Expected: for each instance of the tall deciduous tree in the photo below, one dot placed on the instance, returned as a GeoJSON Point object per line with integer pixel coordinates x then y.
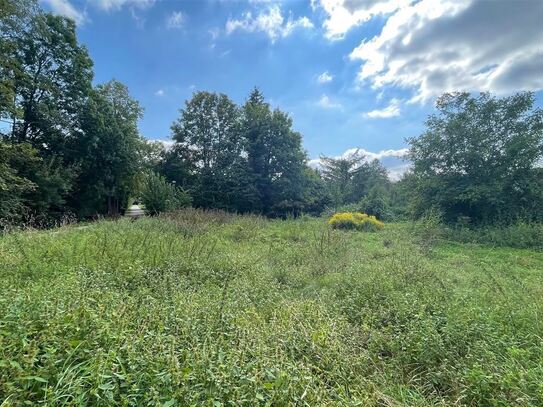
{"type": "Point", "coordinates": [275, 156]}
{"type": "Point", "coordinates": [16, 20]}
{"type": "Point", "coordinates": [208, 136]}
{"type": "Point", "coordinates": [477, 158]}
{"type": "Point", "coordinates": [53, 85]}
{"type": "Point", "coordinates": [108, 151]}
{"type": "Point", "coordinates": [46, 77]}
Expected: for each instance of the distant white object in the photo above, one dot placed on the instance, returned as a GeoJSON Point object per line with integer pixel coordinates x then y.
{"type": "Point", "coordinates": [134, 212]}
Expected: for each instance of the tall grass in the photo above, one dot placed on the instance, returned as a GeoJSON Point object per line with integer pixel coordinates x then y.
{"type": "Point", "coordinates": [207, 308]}
{"type": "Point", "coordinates": [519, 235]}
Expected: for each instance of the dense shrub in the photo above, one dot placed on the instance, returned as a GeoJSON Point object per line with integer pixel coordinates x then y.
{"type": "Point", "coordinates": [519, 235]}
{"type": "Point", "coordinates": [160, 196]}
{"type": "Point", "coordinates": [355, 221]}
{"type": "Point", "coordinates": [376, 203]}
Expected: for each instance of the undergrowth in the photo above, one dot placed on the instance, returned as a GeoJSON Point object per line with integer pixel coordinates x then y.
{"type": "Point", "coordinates": [207, 308]}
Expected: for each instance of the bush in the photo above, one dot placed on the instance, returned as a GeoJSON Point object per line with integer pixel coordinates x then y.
{"type": "Point", "coordinates": [428, 230]}
{"type": "Point", "coordinates": [160, 196]}
{"type": "Point", "coordinates": [355, 221]}
{"type": "Point", "coordinates": [376, 203]}
{"type": "Point", "coordinates": [520, 235]}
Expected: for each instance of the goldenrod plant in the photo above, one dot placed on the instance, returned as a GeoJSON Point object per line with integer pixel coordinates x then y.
{"type": "Point", "coordinates": [355, 221]}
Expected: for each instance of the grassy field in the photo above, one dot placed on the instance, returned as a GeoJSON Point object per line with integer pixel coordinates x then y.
{"type": "Point", "coordinates": [211, 309]}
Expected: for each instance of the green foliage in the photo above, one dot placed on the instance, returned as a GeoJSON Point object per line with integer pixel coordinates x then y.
{"type": "Point", "coordinates": [338, 173]}
{"type": "Point", "coordinates": [13, 185]}
{"type": "Point", "coordinates": [109, 152]}
{"type": "Point", "coordinates": [521, 235]}
{"type": "Point", "coordinates": [32, 189]}
{"type": "Point", "coordinates": [355, 221]}
{"type": "Point", "coordinates": [89, 154]}
{"type": "Point", "coordinates": [51, 84]}
{"type": "Point", "coordinates": [370, 176]}
{"type": "Point", "coordinates": [377, 203]}
{"type": "Point", "coordinates": [244, 159]}
{"type": "Point", "coordinates": [159, 195]}
{"type": "Point", "coordinates": [16, 18]}
{"type": "Point", "coordinates": [275, 158]}
{"type": "Point", "coordinates": [477, 159]}
{"type": "Point", "coordinates": [428, 230]}
{"type": "Point", "coordinates": [208, 139]}
{"type": "Point", "coordinates": [209, 308]}
{"type": "Point", "coordinates": [354, 183]}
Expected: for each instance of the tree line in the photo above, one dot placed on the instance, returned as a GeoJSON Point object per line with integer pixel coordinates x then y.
{"type": "Point", "coordinates": [69, 148]}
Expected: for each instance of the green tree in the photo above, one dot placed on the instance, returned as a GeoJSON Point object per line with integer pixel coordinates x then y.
{"type": "Point", "coordinates": [368, 176]}
{"type": "Point", "coordinates": [209, 145]}
{"type": "Point", "coordinates": [108, 151]}
{"type": "Point", "coordinates": [275, 157]}
{"type": "Point", "coordinates": [316, 196]}
{"type": "Point", "coordinates": [13, 185]}
{"type": "Point", "coordinates": [32, 189]}
{"type": "Point", "coordinates": [377, 203]}
{"type": "Point", "coordinates": [54, 85]}
{"type": "Point", "coordinates": [339, 173]}
{"type": "Point", "coordinates": [401, 197]}
{"type": "Point", "coordinates": [46, 77]}
{"type": "Point", "coordinates": [159, 195]}
{"type": "Point", "coordinates": [477, 158]}
{"type": "Point", "coordinates": [176, 165]}
{"type": "Point", "coordinates": [16, 17]}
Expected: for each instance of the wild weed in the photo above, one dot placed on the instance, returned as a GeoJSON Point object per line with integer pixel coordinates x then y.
{"type": "Point", "coordinates": [198, 308]}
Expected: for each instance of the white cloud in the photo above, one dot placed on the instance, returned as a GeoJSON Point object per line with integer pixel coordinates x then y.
{"type": "Point", "coordinates": [214, 33]}
{"type": "Point", "coordinates": [160, 92]}
{"type": "Point", "coordinates": [118, 4]}
{"type": "Point", "coordinates": [342, 15]}
{"type": "Point", "coordinates": [271, 22]}
{"type": "Point", "coordinates": [392, 160]}
{"type": "Point", "coordinates": [324, 77]}
{"type": "Point", "coordinates": [326, 103]}
{"type": "Point", "coordinates": [437, 46]}
{"type": "Point", "coordinates": [175, 20]}
{"type": "Point", "coordinates": [392, 110]}
{"type": "Point", "coordinates": [138, 19]}
{"type": "Point", "coordinates": [66, 9]}
{"type": "Point", "coordinates": [370, 156]}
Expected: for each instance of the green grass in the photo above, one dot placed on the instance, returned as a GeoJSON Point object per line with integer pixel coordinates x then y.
{"type": "Point", "coordinates": [212, 309]}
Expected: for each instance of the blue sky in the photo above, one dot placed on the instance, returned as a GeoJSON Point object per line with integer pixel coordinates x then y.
{"type": "Point", "coordinates": [352, 73]}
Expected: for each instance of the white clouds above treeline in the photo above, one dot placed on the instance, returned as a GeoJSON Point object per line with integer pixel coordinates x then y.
{"type": "Point", "coordinates": [326, 103]}
{"type": "Point", "coordinates": [422, 49]}
{"type": "Point", "coordinates": [65, 8]}
{"type": "Point", "coordinates": [342, 15]}
{"type": "Point", "coordinates": [270, 21]}
{"type": "Point", "coordinates": [392, 110]}
{"type": "Point", "coordinates": [426, 47]}
{"type": "Point", "coordinates": [437, 46]}
{"type": "Point", "coordinates": [175, 20]}
{"type": "Point", "coordinates": [325, 77]}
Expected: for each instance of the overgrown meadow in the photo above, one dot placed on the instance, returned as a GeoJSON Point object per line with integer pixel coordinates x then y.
{"type": "Point", "coordinates": [205, 308]}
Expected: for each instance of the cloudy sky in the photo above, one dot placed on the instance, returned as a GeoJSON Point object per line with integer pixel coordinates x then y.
{"type": "Point", "coordinates": [352, 73]}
